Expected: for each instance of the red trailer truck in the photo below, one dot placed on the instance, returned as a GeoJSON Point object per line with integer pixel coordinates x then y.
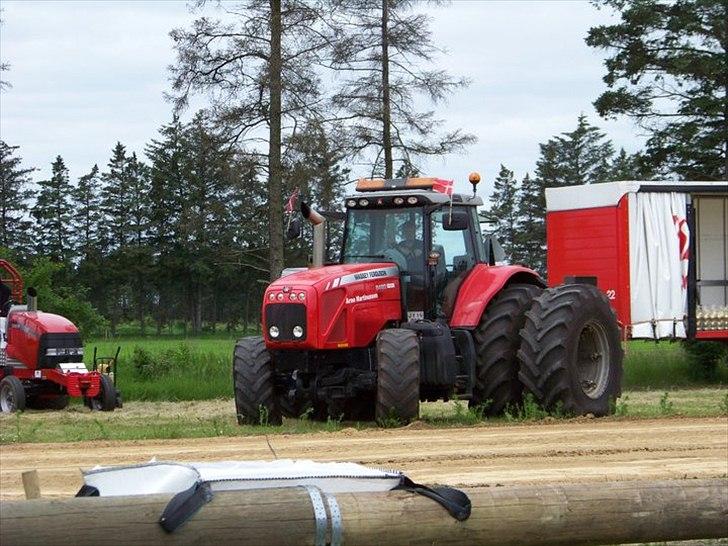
{"type": "Point", "coordinates": [658, 250]}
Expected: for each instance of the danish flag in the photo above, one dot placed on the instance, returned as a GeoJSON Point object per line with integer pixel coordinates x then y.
{"type": "Point", "coordinates": [291, 203]}
{"type": "Point", "coordinates": [443, 186]}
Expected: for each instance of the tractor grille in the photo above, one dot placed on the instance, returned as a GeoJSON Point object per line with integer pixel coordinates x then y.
{"type": "Point", "coordinates": [58, 341]}
{"type": "Point", "coordinates": [285, 316]}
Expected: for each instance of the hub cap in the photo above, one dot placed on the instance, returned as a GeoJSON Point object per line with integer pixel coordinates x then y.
{"type": "Point", "coordinates": [592, 360]}
{"type": "Point", "coordinates": [7, 399]}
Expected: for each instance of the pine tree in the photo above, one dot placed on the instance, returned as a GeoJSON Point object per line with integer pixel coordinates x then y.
{"type": "Point", "coordinates": [503, 212]}
{"type": "Point", "coordinates": [116, 199]}
{"type": "Point", "coordinates": [383, 45]}
{"type": "Point", "coordinates": [583, 156]}
{"type": "Point", "coordinates": [14, 198]}
{"type": "Point", "coordinates": [667, 69]}
{"type": "Point", "coordinates": [530, 236]}
{"type": "Point", "coordinates": [259, 72]}
{"type": "Point", "coordinates": [52, 213]}
{"type": "Point", "coordinates": [87, 217]}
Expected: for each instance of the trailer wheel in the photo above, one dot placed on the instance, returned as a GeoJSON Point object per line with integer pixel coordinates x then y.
{"type": "Point", "coordinates": [12, 394]}
{"type": "Point", "coordinates": [106, 400]}
{"type": "Point", "coordinates": [398, 375]}
{"type": "Point", "coordinates": [571, 354]}
{"type": "Point", "coordinates": [255, 399]}
{"type": "Point", "coordinates": [497, 339]}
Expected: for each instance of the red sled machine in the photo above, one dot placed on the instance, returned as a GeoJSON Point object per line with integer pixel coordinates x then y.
{"type": "Point", "coordinates": [41, 356]}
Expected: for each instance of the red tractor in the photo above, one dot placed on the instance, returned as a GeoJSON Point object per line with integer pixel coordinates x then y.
{"type": "Point", "coordinates": [41, 356]}
{"type": "Point", "coordinates": [417, 309]}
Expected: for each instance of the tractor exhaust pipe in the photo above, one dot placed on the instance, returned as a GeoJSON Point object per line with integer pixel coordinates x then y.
{"type": "Point", "coordinates": [319, 233]}
{"type": "Point", "coordinates": [32, 299]}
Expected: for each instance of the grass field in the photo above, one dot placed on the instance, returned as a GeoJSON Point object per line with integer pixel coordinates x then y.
{"type": "Point", "coordinates": [182, 388]}
{"type": "Point", "coordinates": [174, 369]}
{"type": "Point", "coordinates": [209, 418]}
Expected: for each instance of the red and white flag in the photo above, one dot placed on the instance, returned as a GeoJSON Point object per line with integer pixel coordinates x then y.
{"type": "Point", "coordinates": [291, 203]}
{"type": "Point", "coordinates": [443, 186]}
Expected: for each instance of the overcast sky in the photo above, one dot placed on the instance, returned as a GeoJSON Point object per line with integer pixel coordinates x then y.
{"type": "Point", "coordinates": [86, 74]}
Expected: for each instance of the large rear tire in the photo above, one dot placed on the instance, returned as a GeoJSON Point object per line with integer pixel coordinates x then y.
{"type": "Point", "coordinates": [571, 353]}
{"type": "Point", "coordinates": [398, 375]}
{"type": "Point", "coordinates": [497, 340]}
{"type": "Point", "coordinates": [253, 380]}
{"type": "Point", "coordinates": [12, 394]}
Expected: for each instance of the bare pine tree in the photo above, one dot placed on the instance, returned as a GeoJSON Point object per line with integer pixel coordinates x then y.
{"type": "Point", "coordinates": [384, 50]}
{"type": "Point", "coordinates": [257, 69]}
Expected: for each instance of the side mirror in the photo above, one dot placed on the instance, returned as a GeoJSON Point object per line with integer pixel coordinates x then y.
{"type": "Point", "coordinates": [494, 252]}
{"type": "Point", "coordinates": [457, 221]}
{"type": "Point", "coordinates": [294, 229]}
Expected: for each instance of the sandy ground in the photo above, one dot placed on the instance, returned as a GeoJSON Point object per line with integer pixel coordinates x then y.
{"type": "Point", "coordinates": [480, 456]}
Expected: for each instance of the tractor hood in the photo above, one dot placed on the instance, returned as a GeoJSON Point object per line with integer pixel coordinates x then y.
{"type": "Point", "coordinates": [330, 273]}
{"type": "Point", "coordinates": [37, 323]}
{"type": "Point", "coordinates": [338, 306]}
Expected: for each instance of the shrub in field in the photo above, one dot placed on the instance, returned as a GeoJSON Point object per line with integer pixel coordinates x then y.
{"type": "Point", "coordinates": [706, 358]}
{"type": "Point", "coordinates": [149, 366]}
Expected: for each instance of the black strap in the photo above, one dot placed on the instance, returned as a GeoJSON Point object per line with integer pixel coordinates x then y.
{"type": "Point", "coordinates": [453, 500]}
{"type": "Point", "coordinates": [184, 505]}
{"type": "Point", "coordinates": [87, 491]}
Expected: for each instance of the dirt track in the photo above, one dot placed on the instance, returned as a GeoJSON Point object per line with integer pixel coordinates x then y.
{"type": "Point", "coordinates": [556, 452]}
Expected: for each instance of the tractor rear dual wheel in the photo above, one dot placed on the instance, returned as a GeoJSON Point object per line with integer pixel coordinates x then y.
{"type": "Point", "coordinates": [571, 353]}
{"type": "Point", "coordinates": [497, 340]}
{"type": "Point", "coordinates": [12, 394]}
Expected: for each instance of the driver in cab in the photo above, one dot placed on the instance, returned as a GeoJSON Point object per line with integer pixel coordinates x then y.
{"type": "Point", "coordinates": [410, 246]}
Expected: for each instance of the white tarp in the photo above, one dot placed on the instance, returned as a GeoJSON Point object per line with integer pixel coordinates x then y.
{"type": "Point", "coordinates": [658, 255]}
{"type": "Point", "coordinates": [163, 477]}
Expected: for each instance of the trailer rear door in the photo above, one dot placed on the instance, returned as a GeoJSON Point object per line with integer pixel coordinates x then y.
{"type": "Point", "coordinates": [711, 237]}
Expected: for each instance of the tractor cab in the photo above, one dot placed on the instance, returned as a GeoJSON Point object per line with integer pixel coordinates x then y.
{"type": "Point", "coordinates": [433, 238]}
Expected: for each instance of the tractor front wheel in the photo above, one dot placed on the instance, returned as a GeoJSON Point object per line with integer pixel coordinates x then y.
{"type": "Point", "coordinates": [571, 353]}
{"type": "Point", "coordinates": [255, 399]}
{"type": "Point", "coordinates": [398, 375]}
{"type": "Point", "coordinates": [12, 394]}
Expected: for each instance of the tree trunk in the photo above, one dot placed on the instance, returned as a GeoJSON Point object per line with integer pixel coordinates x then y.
{"type": "Point", "coordinates": [386, 107]}
{"type": "Point", "coordinates": [275, 201]}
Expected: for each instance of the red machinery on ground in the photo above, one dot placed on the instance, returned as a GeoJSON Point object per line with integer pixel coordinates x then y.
{"type": "Point", "coordinates": [417, 309]}
{"type": "Point", "coordinates": [41, 356]}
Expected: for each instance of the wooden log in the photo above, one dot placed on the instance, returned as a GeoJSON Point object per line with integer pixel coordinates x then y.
{"type": "Point", "coordinates": [31, 484]}
{"type": "Point", "coordinates": [593, 513]}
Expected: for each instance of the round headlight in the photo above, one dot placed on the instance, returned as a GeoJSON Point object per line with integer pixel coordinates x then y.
{"type": "Point", "coordinates": [351, 203]}
{"type": "Point", "coordinates": [412, 200]}
{"type": "Point", "coordinates": [363, 202]}
{"type": "Point", "coordinates": [280, 296]}
{"type": "Point", "coordinates": [273, 331]}
{"type": "Point", "coordinates": [271, 296]}
{"type": "Point", "coordinates": [293, 296]}
{"type": "Point", "coordinates": [398, 201]}
{"type": "Point", "coordinates": [297, 331]}
{"type": "Point", "coordinates": [302, 296]}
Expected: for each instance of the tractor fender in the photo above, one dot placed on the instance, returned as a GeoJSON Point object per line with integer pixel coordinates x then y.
{"type": "Point", "coordinates": [481, 285]}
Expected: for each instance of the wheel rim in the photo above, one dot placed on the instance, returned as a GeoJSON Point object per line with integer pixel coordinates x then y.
{"type": "Point", "coordinates": [7, 399]}
{"type": "Point", "coordinates": [592, 360]}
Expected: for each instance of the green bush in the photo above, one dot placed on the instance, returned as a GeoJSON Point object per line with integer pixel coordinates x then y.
{"type": "Point", "coordinates": [706, 358]}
